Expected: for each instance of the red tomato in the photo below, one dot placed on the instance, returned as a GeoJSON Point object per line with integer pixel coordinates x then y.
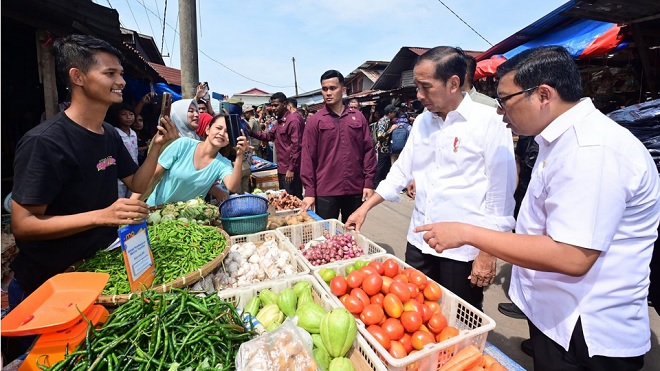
{"type": "Point", "coordinates": [401, 290]}
{"type": "Point", "coordinates": [353, 304]}
{"type": "Point", "coordinates": [414, 290]}
{"type": "Point", "coordinates": [378, 266]}
{"type": "Point", "coordinates": [387, 281]}
{"type": "Point", "coordinates": [380, 336]}
{"type": "Point", "coordinates": [390, 268]}
{"type": "Point", "coordinates": [377, 299]}
{"type": "Point", "coordinates": [432, 291]}
{"type": "Point", "coordinates": [361, 295]}
{"type": "Point", "coordinates": [425, 329]}
{"type": "Point", "coordinates": [372, 284]}
{"type": "Point", "coordinates": [420, 339]}
{"type": "Point", "coordinates": [406, 341]}
{"type": "Point", "coordinates": [418, 278]}
{"type": "Point", "coordinates": [397, 350]}
{"type": "Point", "coordinates": [411, 320]}
{"type": "Point", "coordinates": [393, 328]}
{"type": "Point", "coordinates": [413, 305]}
{"type": "Point", "coordinates": [434, 305]}
{"type": "Point", "coordinates": [338, 285]}
{"type": "Point", "coordinates": [401, 278]}
{"type": "Point", "coordinates": [437, 323]}
{"type": "Point", "coordinates": [367, 270]}
{"type": "Point", "coordinates": [420, 298]}
{"type": "Point", "coordinates": [392, 305]}
{"type": "Point", "coordinates": [343, 298]}
{"type": "Point", "coordinates": [372, 314]}
{"type": "Point", "coordinates": [426, 313]}
{"type": "Point", "coordinates": [447, 333]}
{"type": "Point", "coordinates": [355, 279]}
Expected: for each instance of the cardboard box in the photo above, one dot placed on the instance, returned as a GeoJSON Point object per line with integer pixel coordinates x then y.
{"type": "Point", "coordinates": [265, 180]}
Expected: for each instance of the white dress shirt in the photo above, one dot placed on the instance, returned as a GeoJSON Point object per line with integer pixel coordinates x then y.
{"type": "Point", "coordinates": [594, 185]}
{"type": "Point", "coordinates": [464, 171]}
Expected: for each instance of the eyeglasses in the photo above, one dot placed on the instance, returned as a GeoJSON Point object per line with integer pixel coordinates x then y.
{"type": "Point", "coordinates": [501, 100]}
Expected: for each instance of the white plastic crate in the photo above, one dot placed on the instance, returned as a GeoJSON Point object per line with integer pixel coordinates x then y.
{"type": "Point", "coordinates": [362, 356]}
{"type": "Point", "coordinates": [301, 234]}
{"type": "Point", "coordinates": [299, 267]}
{"type": "Point", "coordinates": [473, 324]}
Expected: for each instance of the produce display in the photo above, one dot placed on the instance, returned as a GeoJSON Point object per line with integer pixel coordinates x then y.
{"type": "Point", "coordinates": [178, 248]}
{"type": "Point", "coordinates": [294, 219]}
{"type": "Point", "coordinates": [332, 332]}
{"type": "Point", "coordinates": [281, 200]}
{"type": "Point", "coordinates": [249, 263]}
{"type": "Point", "coordinates": [329, 249]}
{"type": "Point", "coordinates": [163, 331]}
{"type": "Point", "coordinates": [399, 307]}
{"type": "Point", "coordinates": [195, 210]}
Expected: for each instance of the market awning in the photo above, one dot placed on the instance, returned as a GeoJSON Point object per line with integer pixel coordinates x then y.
{"type": "Point", "coordinates": [583, 39]}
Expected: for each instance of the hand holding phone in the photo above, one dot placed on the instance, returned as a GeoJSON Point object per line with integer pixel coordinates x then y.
{"type": "Point", "coordinates": [166, 105]}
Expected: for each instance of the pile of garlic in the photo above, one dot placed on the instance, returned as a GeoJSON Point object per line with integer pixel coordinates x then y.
{"type": "Point", "coordinates": [248, 263]}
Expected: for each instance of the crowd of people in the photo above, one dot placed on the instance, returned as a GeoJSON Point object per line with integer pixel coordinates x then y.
{"type": "Point", "coordinates": [585, 211]}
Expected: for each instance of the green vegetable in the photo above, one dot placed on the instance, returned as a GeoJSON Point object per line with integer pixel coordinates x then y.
{"type": "Point", "coordinates": [338, 331]}
{"type": "Point", "coordinates": [267, 296]}
{"type": "Point", "coordinates": [340, 364]}
{"type": "Point", "coordinates": [273, 326]}
{"type": "Point", "coordinates": [322, 358]}
{"type": "Point", "coordinates": [327, 274]}
{"type": "Point", "coordinates": [253, 306]}
{"type": "Point", "coordinates": [301, 286]}
{"type": "Point", "coordinates": [318, 342]}
{"type": "Point", "coordinates": [286, 300]}
{"type": "Point", "coordinates": [360, 263]}
{"type": "Point", "coordinates": [305, 297]}
{"type": "Point", "coordinates": [310, 316]}
{"type": "Point", "coordinates": [195, 210]}
{"type": "Point", "coordinates": [270, 313]}
{"type": "Point", "coordinates": [349, 269]}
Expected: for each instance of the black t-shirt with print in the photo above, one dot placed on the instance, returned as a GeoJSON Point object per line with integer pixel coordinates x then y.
{"type": "Point", "coordinates": [72, 170]}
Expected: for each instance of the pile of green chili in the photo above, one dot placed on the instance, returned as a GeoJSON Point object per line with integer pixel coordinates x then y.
{"type": "Point", "coordinates": [153, 331]}
{"type": "Point", "coordinates": [179, 248]}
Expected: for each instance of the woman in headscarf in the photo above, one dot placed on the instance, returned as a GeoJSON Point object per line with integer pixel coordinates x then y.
{"type": "Point", "coordinates": [185, 115]}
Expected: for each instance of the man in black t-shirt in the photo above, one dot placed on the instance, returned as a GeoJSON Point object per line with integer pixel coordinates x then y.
{"type": "Point", "coordinates": [64, 199]}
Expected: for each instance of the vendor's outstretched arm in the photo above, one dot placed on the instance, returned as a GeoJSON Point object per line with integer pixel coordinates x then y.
{"type": "Point", "coordinates": [29, 222]}
{"type": "Point", "coordinates": [547, 255]}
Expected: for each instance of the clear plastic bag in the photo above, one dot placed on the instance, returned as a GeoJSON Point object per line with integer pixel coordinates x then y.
{"type": "Point", "coordinates": [288, 347]}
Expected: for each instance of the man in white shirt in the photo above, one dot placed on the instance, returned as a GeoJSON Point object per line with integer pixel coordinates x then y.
{"type": "Point", "coordinates": [460, 154]}
{"type": "Point", "coordinates": [586, 227]}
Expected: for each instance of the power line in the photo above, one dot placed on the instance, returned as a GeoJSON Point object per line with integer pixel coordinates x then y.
{"type": "Point", "coordinates": [134, 19]}
{"type": "Point", "coordinates": [461, 19]}
{"type": "Point", "coordinates": [162, 39]}
{"type": "Point", "coordinates": [148, 18]}
{"type": "Point", "coordinates": [241, 75]}
{"type": "Point", "coordinates": [175, 35]}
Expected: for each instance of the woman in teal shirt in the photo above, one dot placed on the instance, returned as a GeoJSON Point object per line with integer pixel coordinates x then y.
{"type": "Point", "coordinates": [190, 168]}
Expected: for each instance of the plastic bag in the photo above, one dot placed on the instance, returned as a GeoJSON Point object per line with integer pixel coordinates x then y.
{"type": "Point", "coordinates": [289, 347]}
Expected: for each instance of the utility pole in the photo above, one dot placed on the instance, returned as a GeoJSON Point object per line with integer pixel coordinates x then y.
{"type": "Point", "coordinates": [188, 45]}
{"type": "Point", "coordinates": [295, 80]}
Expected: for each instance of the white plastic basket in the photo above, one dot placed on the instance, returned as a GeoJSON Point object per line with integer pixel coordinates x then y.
{"type": "Point", "coordinates": [362, 356]}
{"type": "Point", "coordinates": [299, 267]}
{"type": "Point", "coordinates": [473, 324]}
{"type": "Point", "coordinates": [301, 234]}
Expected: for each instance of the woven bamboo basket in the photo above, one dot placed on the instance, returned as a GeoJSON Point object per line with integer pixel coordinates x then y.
{"type": "Point", "coordinates": [183, 281]}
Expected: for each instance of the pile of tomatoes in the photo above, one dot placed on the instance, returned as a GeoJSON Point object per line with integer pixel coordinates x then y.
{"type": "Point", "coordinates": [399, 306]}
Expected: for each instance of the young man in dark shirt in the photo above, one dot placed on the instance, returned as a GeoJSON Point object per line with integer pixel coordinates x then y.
{"type": "Point", "coordinates": [64, 199]}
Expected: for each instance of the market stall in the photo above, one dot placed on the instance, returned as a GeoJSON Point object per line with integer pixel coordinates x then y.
{"type": "Point", "coordinates": [270, 299]}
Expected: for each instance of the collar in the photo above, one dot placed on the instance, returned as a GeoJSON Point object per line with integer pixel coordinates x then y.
{"type": "Point", "coordinates": [330, 112]}
{"type": "Point", "coordinates": [463, 109]}
{"type": "Point", "coordinates": [566, 120]}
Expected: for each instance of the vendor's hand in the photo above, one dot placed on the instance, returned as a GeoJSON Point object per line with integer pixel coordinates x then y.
{"type": "Point", "coordinates": [442, 236]}
{"type": "Point", "coordinates": [124, 211]}
{"type": "Point", "coordinates": [307, 203]}
{"type": "Point", "coordinates": [289, 176]}
{"type": "Point", "coordinates": [411, 191]}
{"type": "Point", "coordinates": [167, 132]}
{"type": "Point", "coordinates": [366, 193]}
{"type": "Point", "coordinates": [242, 145]}
{"type": "Point", "coordinates": [356, 219]}
{"type": "Point", "coordinates": [483, 270]}
{"type": "Point", "coordinates": [149, 97]}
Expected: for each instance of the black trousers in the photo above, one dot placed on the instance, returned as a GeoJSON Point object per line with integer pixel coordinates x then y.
{"type": "Point", "coordinates": [383, 168]}
{"type": "Point", "coordinates": [293, 188]}
{"type": "Point", "coordinates": [329, 207]}
{"type": "Point", "coordinates": [549, 355]}
{"type": "Point", "coordinates": [451, 274]}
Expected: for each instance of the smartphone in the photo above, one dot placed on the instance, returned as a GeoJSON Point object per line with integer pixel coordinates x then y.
{"type": "Point", "coordinates": [234, 129]}
{"type": "Point", "coordinates": [166, 105]}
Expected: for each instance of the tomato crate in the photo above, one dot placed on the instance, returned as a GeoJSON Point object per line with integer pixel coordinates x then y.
{"type": "Point", "coordinates": [473, 325]}
{"type": "Point", "coordinates": [362, 355]}
{"type": "Point", "coordinates": [302, 234]}
{"type": "Point", "coordinates": [297, 265]}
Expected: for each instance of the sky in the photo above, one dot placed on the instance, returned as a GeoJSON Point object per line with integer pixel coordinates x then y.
{"type": "Point", "coordinates": [249, 44]}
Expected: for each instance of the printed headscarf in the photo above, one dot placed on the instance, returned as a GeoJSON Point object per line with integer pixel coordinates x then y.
{"type": "Point", "coordinates": [179, 115]}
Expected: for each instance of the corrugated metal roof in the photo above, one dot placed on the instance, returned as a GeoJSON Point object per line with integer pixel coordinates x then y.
{"type": "Point", "coordinates": [254, 91]}
{"type": "Point", "coordinates": [615, 11]}
{"type": "Point", "coordinates": [169, 74]}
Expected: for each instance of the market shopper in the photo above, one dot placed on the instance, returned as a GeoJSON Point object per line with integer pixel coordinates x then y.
{"type": "Point", "coordinates": [190, 168]}
{"type": "Point", "coordinates": [126, 119]}
{"type": "Point", "coordinates": [460, 155]}
{"type": "Point", "coordinates": [338, 157]}
{"type": "Point", "coordinates": [64, 199]}
{"type": "Point", "coordinates": [185, 115]}
{"type": "Point", "coordinates": [383, 131]}
{"type": "Point", "coordinates": [286, 133]}
{"type": "Point", "coordinates": [586, 228]}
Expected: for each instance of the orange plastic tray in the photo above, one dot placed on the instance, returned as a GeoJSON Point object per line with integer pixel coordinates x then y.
{"type": "Point", "coordinates": [55, 305]}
